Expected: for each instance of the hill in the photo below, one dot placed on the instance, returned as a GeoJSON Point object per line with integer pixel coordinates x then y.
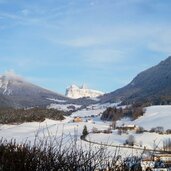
{"type": "Point", "coordinates": [15, 92]}
{"type": "Point", "coordinates": [150, 86]}
{"type": "Point", "coordinates": [154, 116]}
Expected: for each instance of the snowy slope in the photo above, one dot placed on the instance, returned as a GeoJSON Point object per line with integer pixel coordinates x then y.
{"type": "Point", "coordinates": [95, 110]}
{"type": "Point", "coordinates": [156, 116]}
{"type": "Point", "coordinates": [153, 117]}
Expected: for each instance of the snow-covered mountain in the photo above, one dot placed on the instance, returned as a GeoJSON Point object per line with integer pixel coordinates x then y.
{"type": "Point", "coordinates": [7, 80]}
{"type": "Point", "coordinates": [16, 92]}
{"type": "Point", "coordinates": [76, 92]}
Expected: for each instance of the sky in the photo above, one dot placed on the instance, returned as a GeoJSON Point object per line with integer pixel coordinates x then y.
{"type": "Point", "coordinates": [101, 43]}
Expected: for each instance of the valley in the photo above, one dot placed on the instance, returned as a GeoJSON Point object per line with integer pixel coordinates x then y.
{"type": "Point", "coordinates": [131, 121]}
{"type": "Point", "coordinates": [91, 118]}
{"type": "Point", "coordinates": [85, 85]}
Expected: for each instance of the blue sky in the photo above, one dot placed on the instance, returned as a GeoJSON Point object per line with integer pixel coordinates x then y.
{"type": "Point", "coordinates": [102, 43]}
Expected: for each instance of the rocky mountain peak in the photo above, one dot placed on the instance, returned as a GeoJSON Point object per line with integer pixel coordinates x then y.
{"type": "Point", "coordinates": [76, 92]}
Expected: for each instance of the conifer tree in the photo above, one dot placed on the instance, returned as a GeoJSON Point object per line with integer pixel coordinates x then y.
{"type": "Point", "coordinates": [85, 131]}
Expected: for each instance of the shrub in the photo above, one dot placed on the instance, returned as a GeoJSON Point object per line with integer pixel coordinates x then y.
{"type": "Point", "coordinates": [152, 130]}
{"type": "Point", "coordinates": [108, 131]}
{"type": "Point", "coordinates": [48, 156]}
{"type": "Point", "coordinates": [130, 141]}
{"type": "Point", "coordinates": [119, 132]}
{"type": "Point", "coordinates": [168, 131]}
{"type": "Point", "coordinates": [159, 130]}
{"type": "Point", "coordinates": [140, 130]}
{"type": "Point", "coordinates": [95, 130]}
{"type": "Point", "coordinates": [167, 145]}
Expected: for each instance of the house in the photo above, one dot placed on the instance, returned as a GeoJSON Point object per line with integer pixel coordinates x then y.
{"type": "Point", "coordinates": [127, 127]}
{"type": "Point", "coordinates": [158, 162]}
{"type": "Point", "coordinates": [77, 119]}
{"type": "Point", "coordinates": [164, 157]}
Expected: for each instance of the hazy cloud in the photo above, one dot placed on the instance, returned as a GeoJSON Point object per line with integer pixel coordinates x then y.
{"type": "Point", "coordinates": [104, 56]}
{"type": "Point", "coordinates": [82, 42]}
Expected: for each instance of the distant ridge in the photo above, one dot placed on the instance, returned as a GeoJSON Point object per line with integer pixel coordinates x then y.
{"type": "Point", "coordinates": [152, 85]}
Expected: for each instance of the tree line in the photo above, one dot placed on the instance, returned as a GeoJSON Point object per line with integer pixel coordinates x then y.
{"type": "Point", "coordinates": [114, 113]}
{"type": "Point", "coordinates": [11, 116]}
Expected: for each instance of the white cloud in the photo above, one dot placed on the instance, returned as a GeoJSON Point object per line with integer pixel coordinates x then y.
{"type": "Point", "coordinates": [120, 35]}
{"type": "Point", "coordinates": [10, 74]}
{"type": "Point", "coordinates": [25, 12]}
{"type": "Point", "coordinates": [103, 57]}
{"type": "Point", "coordinates": [82, 42]}
{"type": "Point", "coordinates": [9, 16]}
{"type": "Point", "coordinates": [161, 41]}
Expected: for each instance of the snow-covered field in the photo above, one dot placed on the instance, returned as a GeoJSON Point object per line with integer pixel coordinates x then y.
{"type": "Point", "coordinates": [93, 110]}
{"type": "Point", "coordinates": [154, 116]}
{"type": "Point", "coordinates": [145, 140]}
{"type": "Point", "coordinates": [63, 107]}
{"type": "Point", "coordinates": [54, 128]}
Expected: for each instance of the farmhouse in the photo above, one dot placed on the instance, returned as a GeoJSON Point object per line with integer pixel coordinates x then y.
{"type": "Point", "coordinates": [77, 119]}
{"type": "Point", "coordinates": [127, 127]}
{"type": "Point", "coordinates": [157, 162]}
{"type": "Point", "coordinates": [164, 157]}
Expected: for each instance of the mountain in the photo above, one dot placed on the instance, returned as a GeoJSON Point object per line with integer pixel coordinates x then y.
{"type": "Point", "coordinates": [16, 92]}
{"type": "Point", "coordinates": [76, 92]}
{"type": "Point", "coordinates": [152, 85]}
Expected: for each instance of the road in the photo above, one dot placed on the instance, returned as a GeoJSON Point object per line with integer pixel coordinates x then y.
{"type": "Point", "coordinates": [126, 147]}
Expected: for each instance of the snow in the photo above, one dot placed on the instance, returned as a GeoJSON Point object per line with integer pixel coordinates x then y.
{"type": "Point", "coordinates": [4, 84]}
{"type": "Point", "coordinates": [154, 116]}
{"type": "Point", "coordinates": [94, 98]}
{"type": "Point", "coordinates": [95, 109]}
{"type": "Point", "coordinates": [146, 139]}
{"type": "Point", "coordinates": [87, 113]}
{"type": "Point", "coordinates": [54, 128]}
{"type": "Point", "coordinates": [5, 80]}
{"type": "Point", "coordinates": [63, 107]}
{"type": "Point", "coordinates": [66, 128]}
{"type": "Point", "coordinates": [56, 100]}
{"type": "Point", "coordinates": [76, 92]}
